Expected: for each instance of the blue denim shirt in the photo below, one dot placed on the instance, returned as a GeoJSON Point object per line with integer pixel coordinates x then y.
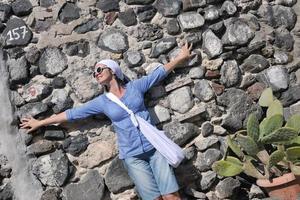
{"type": "Point", "coordinates": [131, 141]}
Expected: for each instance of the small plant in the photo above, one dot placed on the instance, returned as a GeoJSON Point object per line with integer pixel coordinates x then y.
{"type": "Point", "coordinates": [267, 149]}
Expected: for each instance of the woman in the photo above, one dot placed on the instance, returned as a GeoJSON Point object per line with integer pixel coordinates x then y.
{"type": "Point", "coordinates": [149, 170]}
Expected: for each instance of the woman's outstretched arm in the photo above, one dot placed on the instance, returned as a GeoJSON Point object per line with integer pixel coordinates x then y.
{"type": "Point", "coordinates": [32, 124]}
{"type": "Point", "coordinates": [184, 55]}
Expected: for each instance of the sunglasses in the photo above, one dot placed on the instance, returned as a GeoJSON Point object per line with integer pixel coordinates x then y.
{"type": "Point", "coordinates": [98, 70]}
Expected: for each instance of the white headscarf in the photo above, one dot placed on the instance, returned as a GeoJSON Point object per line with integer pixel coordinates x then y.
{"type": "Point", "coordinates": [114, 66]}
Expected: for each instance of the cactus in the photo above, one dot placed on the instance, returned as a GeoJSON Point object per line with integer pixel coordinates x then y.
{"type": "Point", "coordinates": [280, 136]}
{"type": "Point", "coordinates": [247, 144]}
{"type": "Point", "coordinates": [231, 167]}
{"type": "Point", "coordinates": [270, 124]}
{"type": "Point", "coordinates": [275, 157]}
{"type": "Point", "coordinates": [275, 108]}
{"type": "Point", "coordinates": [266, 98]}
{"type": "Point", "coordinates": [253, 127]}
{"type": "Point", "coordinates": [293, 122]}
{"type": "Point", "coordinates": [252, 146]}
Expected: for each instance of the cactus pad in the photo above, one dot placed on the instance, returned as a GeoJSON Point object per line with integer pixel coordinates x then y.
{"type": "Point", "coordinates": [253, 127]}
{"type": "Point", "coordinates": [280, 136]}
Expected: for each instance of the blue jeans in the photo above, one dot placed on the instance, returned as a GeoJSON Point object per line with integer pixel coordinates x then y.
{"type": "Point", "coordinates": [151, 174]}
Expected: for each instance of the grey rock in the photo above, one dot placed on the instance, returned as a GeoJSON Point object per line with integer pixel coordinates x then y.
{"type": "Point", "coordinates": [295, 108]}
{"type": "Point", "coordinates": [286, 2]}
{"type": "Point", "coordinates": [91, 187]}
{"type": "Point", "coordinates": [52, 62]}
{"type": "Point", "coordinates": [145, 13]}
{"type": "Point", "coordinates": [148, 32]}
{"type": "Point", "coordinates": [228, 8]}
{"type": "Point", "coordinates": [205, 160]}
{"type": "Point", "coordinates": [54, 133]}
{"type": "Point", "coordinates": [238, 110]}
{"type": "Point", "coordinates": [217, 27]}
{"type": "Point", "coordinates": [134, 58]}
{"type": "Point", "coordinates": [16, 98]}
{"type": "Point", "coordinates": [190, 20]}
{"type": "Point", "coordinates": [207, 179]}
{"type": "Point", "coordinates": [22, 36]}
{"type": "Point", "coordinates": [168, 7]}
{"type": "Point", "coordinates": [203, 90]}
{"type": "Point", "coordinates": [230, 73]}
{"type": "Point", "coordinates": [116, 178]}
{"type": "Point", "coordinates": [137, 2]}
{"type": "Point", "coordinates": [246, 5]}
{"type": "Point", "coordinates": [21, 7]}
{"type": "Point", "coordinates": [162, 46]}
{"type": "Point", "coordinates": [189, 152]}
{"type": "Point", "coordinates": [254, 63]}
{"type": "Point", "coordinates": [197, 72]}
{"type": "Point", "coordinates": [68, 13]}
{"type": "Point", "coordinates": [194, 193]}
{"type": "Point", "coordinates": [290, 96]}
{"type": "Point", "coordinates": [58, 82]}
{"type": "Point", "coordinates": [79, 48]}
{"type": "Point", "coordinates": [211, 13]}
{"type": "Point", "coordinates": [36, 90]}
{"type": "Point", "coordinates": [157, 92]}
{"type": "Point", "coordinates": [52, 169]}
{"type": "Point", "coordinates": [107, 6]}
{"type": "Point", "coordinates": [280, 57]}
{"type": "Point", "coordinates": [194, 37]}
{"type": "Point", "coordinates": [227, 187]}
{"type": "Point", "coordinates": [203, 143]}
{"type": "Point", "coordinates": [284, 39]}
{"type": "Point", "coordinates": [275, 77]}
{"type": "Point", "coordinates": [173, 27]}
{"type": "Point", "coordinates": [46, 3]}
{"type": "Point", "coordinates": [60, 100]}
{"type": "Point", "coordinates": [181, 99]}
{"type": "Point", "coordinates": [41, 147]}
{"type": "Point", "coordinates": [88, 25]}
{"type": "Point", "coordinates": [2, 26]}
{"type": "Point", "coordinates": [192, 4]}
{"type": "Point", "coordinates": [238, 32]}
{"type": "Point", "coordinates": [76, 145]}
{"type": "Point", "coordinates": [51, 194]}
{"type": "Point", "coordinates": [7, 191]}
{"type": "Point", "coordinates": [128, 17]}
{"type": "Point", "coordinates": [207, 129]}
{"type": "Point", "coordinates": [278, 15]}
{"type": "Point", "coordinates": [212, 45]}
{"type": "Point", "coordinates": [18, 70]}
{"type": "Point", "coordinates": [32, 109]}
{"type": "Point", "coordinates": [5, 12]}
{"type": "Point", "coordinates": [180, 133]}
{"type": "Point", "coordinates": [256, 192]}
{"type": "Point", "coordinates": [32, 55]}
{"type": "Point", "coordinates": [159, 114]}
{"type": "Point", "coordinates": [113, 40]}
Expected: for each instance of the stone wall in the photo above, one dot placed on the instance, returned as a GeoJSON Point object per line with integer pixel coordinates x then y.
{"type": "Point", "coordinates": [50, 47]}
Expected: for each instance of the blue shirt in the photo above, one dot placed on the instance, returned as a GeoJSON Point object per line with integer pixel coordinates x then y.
{"type": "Point", "coordinates": [131, 141]}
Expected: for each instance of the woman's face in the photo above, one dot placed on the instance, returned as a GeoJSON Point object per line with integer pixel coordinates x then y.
{"type": "Point", "coordinates": [102, 74]}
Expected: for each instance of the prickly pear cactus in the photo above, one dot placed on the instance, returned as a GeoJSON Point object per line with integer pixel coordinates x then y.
{"type": "Point", "coordinates": [253, 127]}
{"type": "Point", "coordinates": [294, 122]}
{"type": "Point", "coordinates": [268, 125]}
{"type": "Point", "coordinates": [275, 157]}
{"type": "Point", "coordinates": [280, 136]}
{"type": "Point", "coordinates": [247, 144]}
{"type": "Point", "coordinates": [230, 167]}
{"type": "Point", "coordinates": [275, 108]}
{"type": "Point", "coordinates": [266, 98]}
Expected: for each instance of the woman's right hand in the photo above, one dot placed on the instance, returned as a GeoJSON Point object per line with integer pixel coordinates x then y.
{"type": "Point", "coordinates": [30, 123]}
